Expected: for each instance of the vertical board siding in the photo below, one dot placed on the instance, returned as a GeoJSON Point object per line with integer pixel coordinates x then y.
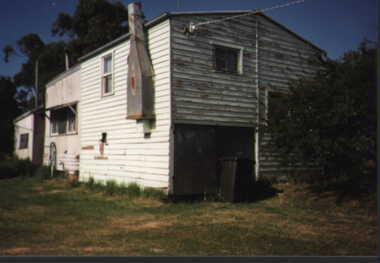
{"type": "Point", "coordinates": [201, 95]}
{"type": "Point", "coordinates": [128, 156]}
{"type": "Point", "coordinates": [282, 58]}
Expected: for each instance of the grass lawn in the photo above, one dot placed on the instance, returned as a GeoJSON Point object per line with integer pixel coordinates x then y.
{"type": "Point", "coordinates": [50, 217]}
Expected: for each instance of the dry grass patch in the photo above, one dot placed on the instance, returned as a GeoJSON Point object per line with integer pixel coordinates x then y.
{"type": "Point", "coordinates": [16, 251]}
{"type": "Point", "coordinates": [79, 221]}
{"type": "Point", "coordinates": [139, 222]}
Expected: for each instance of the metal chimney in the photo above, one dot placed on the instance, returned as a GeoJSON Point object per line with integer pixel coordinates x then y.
{"type": "Point", "coordinates": [140, 90]}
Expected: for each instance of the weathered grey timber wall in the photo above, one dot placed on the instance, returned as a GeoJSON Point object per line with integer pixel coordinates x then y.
{"type": "Point", "coordinates": [282, 57]}
{"type": "Point", "coordinates": [203, 96]}
{"type": "Point", "coordinates": [200, 94]}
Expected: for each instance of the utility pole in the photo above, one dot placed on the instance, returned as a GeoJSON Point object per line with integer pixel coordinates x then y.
{"type": "Point", "coordinates": [36, 84]}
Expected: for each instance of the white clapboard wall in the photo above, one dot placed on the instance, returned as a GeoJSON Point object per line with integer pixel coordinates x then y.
{"type": "Point", "coordinates": [128, 156]}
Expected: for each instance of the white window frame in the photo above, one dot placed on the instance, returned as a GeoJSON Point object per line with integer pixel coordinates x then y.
{"type": "Point", "coordinates": [240, 55]}
{"type": "Point", "coordinates": [75, 119]}
{"type": "Point", "coordinates": [67, 132]}
{"type": "Point", "coordinates": [104, 75]}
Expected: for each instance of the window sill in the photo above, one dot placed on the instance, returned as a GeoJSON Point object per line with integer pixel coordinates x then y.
{"type": "Point", "coordinates": [226, 72]}
{"type": "Point", "coordinates": [64, 134]}
{"type": "Point", "coordinates": [101, 158]}
{"type": "Point", "coordinates": [104, 95]}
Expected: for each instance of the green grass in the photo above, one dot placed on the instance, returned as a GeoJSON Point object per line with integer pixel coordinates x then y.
{"type": "Point", "coordinates": [50, 217]}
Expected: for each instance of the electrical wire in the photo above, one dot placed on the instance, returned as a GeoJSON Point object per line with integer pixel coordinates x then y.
{"type": "Point", "coordinates": [193, 26]}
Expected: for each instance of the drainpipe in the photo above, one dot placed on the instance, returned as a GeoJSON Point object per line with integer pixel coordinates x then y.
{"type": "Point", "coordinates": [36, 84]}
{"type": "Point", "coordinates": [257, 136]}
{"type": "Point", "coordinates": [67, 61]}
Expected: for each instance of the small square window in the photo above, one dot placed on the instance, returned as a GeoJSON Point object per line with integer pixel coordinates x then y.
{"type": "Point", "coordinates": [24, 138]}
{"type": "Point", "coordinates": [107, 77]}
{"type": "Point", "coordinates": [227, 59]}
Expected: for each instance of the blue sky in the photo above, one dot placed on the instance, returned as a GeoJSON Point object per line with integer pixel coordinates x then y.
{"type": "Point", "coordinates": [334, 25]}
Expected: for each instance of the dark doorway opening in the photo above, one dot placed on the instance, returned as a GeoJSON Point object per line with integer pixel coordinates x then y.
{"type": "Point", "coordinates": [198, 151]}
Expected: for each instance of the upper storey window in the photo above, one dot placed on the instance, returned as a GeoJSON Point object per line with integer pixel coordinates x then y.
{"type": "Point", "coordinates": [228, 59]}
{"type": "Point", "coordinates": [107, 68]}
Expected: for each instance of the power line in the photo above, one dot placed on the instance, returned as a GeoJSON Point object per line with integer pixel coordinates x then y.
{"type": "Point", "coordinates": [193, 26]}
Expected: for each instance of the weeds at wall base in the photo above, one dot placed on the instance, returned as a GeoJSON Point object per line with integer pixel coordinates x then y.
{"type": "Point", "coordinates": [130, 190]}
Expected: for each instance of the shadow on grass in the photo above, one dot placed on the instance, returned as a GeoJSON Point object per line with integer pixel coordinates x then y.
{"type": "Point", "coordinates": [353, 188]}
{"type": "Point", "coordinates": [254, 192]}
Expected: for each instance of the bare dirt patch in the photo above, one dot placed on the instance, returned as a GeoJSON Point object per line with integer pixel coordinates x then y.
{"type": "Point", "coordinates": [137, 223]}
{"type": "Point", "coordinates": [55, 191]}
{"type": "Point", "coordinates": [146, 202]}
{"type": "Point", "coordinates": [16, 251]}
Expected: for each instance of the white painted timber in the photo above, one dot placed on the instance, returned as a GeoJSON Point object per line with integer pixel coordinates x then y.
{"type": "Point", "coordinates": [61, 91]}
{"type": "Point", "coordinates": [24, 126]}
{"type": "Point", "coordinates": [128, 155]}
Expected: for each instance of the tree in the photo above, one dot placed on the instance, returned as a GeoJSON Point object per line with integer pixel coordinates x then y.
{"type": "Point", "coordinates": [9, 112]}
{"type": "Point", "coordinates": [50, 58]}
{"type": "Point", "coordinates": [93, 24]}
{"type": "Point", "coordinates": [330, 120]}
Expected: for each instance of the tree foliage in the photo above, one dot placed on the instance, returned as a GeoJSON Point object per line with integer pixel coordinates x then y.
{"type": "Point", "coordinates": [330, 120]}
{"type": "Point", "coordinates": [94, 23]}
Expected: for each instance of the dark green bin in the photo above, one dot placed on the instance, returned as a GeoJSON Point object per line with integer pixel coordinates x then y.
{"type": "Point", "coordinates": [236, 179]}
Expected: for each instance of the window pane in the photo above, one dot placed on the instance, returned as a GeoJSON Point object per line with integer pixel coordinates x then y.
{"type": "Point", "coordinates": [107, 82]}
{"type": "Point", "coordinates": [71, 119]}
{"type": "Point", "coordinates": [107, 64]}
{"type": "Point", "coordinates": [54, 128]}
{"type": "Point", "coordinates": [226, 59]}
{"type": "Point", "coordinates": [24, 141]}
{"type": "Point", "coordinates": [58, 119]}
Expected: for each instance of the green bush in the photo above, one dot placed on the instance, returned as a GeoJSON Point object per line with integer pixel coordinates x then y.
{"type": "Point", "coordinates": [133, 190]}
{"type": "Point", "coordinates": [7, 170]}
{"type": "Point", "coordinates": [17, 167]}
{"type": "Point", "coordinates": [43, 172]}
{"type": "Point", "coordinates": [25, 167]}
{"type": "Point", "coordinates": [154, 193]}
{"type": "Point", "coordinates": [111, 187]}
{"type": "Point", "coordinates": [90, 182]}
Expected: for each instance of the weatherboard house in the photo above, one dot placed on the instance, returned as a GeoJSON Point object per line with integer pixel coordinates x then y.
{"type": "Point", "coordinates": [161, 105]}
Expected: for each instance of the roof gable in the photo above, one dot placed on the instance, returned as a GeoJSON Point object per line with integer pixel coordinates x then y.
{"type": "Point", "coordinates": [165, 16]}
